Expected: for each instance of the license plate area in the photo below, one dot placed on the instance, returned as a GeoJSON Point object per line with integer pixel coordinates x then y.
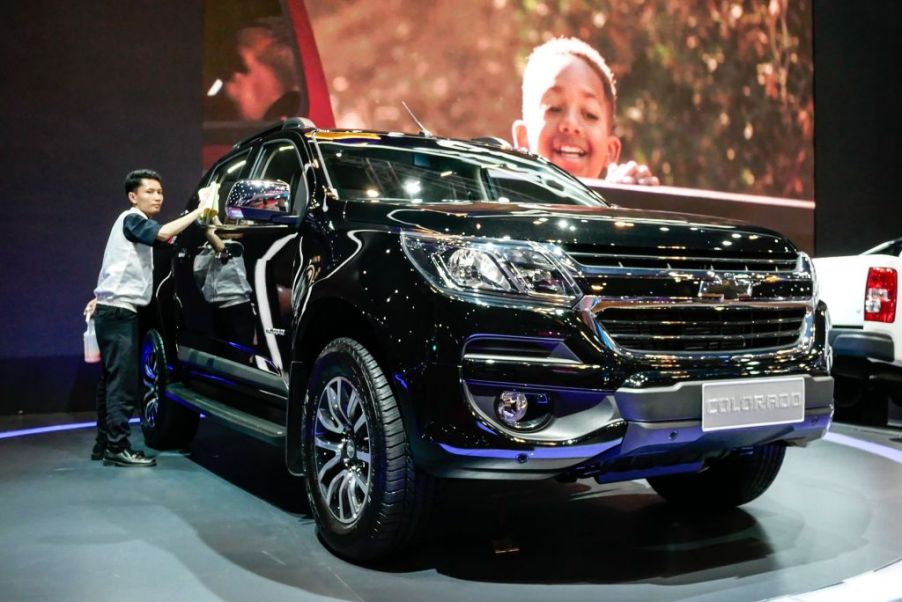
{"type": "Point", "coordinates": [752, 402]}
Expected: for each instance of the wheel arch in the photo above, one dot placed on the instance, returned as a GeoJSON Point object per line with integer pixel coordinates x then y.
{"type": "Point", "coordinates": [327, 319]}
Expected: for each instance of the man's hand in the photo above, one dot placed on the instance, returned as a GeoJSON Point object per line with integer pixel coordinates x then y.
{"type": "Point", "coordinates": [630, 173]}
{"type": "Point", "coordinates": [90, 308]}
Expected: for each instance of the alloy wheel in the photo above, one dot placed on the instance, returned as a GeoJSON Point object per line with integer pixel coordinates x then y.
{"type": "Point", "coordinates": [342, 442]}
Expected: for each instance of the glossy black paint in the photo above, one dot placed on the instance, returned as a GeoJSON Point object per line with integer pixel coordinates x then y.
{"type": "Point", "coordinates": [597, 227]}
{"type": "Point", "coordinates": [343, 272]}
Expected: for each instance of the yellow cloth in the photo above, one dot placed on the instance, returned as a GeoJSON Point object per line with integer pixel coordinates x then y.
{"type": "Point", "coordinates": [209, 202]}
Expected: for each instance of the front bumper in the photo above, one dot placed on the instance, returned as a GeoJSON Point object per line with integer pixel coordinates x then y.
{"type": "Point", "coordinates": [648, 432]}
{"type": "Point", "coordinates": [627, 415]}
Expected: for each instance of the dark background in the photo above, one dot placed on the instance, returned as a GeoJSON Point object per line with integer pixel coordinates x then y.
{"type": "Point", "coordinates": [91, 90]}
{"type": "Point", "coordinates": [858, 122]}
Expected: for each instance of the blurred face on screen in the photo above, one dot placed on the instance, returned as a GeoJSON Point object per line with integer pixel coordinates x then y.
{"type": "Point", "coordinates": [254, 90]}
{"type": "Point", "coordinates": [566, 118]}
{"type": "Point", "coordinates": [267, 77]}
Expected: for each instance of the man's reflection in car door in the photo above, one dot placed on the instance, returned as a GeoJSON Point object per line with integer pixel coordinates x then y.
{"type": "Point", "coordinates": [196, 275]}
{"type": "Point", "coordinates": [221, 276]}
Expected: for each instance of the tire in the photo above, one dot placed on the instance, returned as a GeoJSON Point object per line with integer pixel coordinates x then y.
{"type": "Point", "coordinates": [365, 494]}
{"type": "Point", "coordinates": [728, 482]}
{"type": "Point", "coordinates": [165, 423]}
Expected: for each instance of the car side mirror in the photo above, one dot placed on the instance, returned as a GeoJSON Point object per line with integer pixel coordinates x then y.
{"type": "Point", "coordinates": [259, 200]}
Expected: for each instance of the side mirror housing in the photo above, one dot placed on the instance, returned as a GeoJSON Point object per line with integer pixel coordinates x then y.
{"type": "Point", "coordinates": [259, 200]}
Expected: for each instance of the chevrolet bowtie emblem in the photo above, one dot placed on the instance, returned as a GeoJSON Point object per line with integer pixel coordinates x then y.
{"type": "Point", "coordinates": [725, 288]}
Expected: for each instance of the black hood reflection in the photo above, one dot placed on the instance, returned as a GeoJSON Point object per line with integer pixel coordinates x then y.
{"type": "Point", "coordinates": [577, 226]}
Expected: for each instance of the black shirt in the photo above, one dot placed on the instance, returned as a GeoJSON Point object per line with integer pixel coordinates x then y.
{"type": "Point", "coordinates": [140, 229]}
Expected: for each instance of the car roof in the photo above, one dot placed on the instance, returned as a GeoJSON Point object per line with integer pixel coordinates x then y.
{"type": "Point", "coordinates": [403, 138]}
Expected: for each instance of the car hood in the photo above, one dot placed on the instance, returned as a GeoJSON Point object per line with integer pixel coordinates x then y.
{"type": "Point", "coordinates": [577, 225]}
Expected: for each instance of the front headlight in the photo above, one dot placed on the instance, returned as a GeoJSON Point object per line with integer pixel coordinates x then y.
{"type": "Point", "coordinates": [482, 267]}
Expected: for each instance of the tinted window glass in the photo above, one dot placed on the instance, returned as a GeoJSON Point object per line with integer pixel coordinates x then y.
{"type": "Point", "coordinates": [279, 161]}
{"type": "Point", "coordinates": [226, 175]}
{"type": "Point", "coordinates": [444, 171]}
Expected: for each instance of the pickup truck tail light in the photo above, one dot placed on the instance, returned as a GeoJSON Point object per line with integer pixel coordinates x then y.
{"type": "Point", "coordinates": [880, 295]}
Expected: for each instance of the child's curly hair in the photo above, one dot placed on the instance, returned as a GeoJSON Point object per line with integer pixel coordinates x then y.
{"type": "Point", "coordinates": [578, 48]}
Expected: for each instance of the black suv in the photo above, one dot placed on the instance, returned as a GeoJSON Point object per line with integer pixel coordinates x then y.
{"type": "Point", "coordinates": [396, 308]}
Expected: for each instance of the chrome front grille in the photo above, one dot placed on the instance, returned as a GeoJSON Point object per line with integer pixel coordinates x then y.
{"type": "Point", "coordinates": [702, 328]}
{"type": "Point", "coordinates": [589, 255]}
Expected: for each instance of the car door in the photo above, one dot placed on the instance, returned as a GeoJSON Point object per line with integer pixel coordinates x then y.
{"type": "Point", "coordinates": [269, 250]}
{"type": "Point", "coordinates": [196, 266]}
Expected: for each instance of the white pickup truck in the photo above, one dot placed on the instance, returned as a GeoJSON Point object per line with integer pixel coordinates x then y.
{"type": "Point", "coordinates": [861, 292]}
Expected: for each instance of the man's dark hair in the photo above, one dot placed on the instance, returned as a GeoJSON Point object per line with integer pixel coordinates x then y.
{"type": "Point", "coordinates": [133, 179]}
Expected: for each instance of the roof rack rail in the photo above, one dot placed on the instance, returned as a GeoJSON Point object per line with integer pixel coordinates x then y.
{"type": "Point", "coordinates": [494, 141]}
{"type": "Point", "coordinates": [304, 123]}
{"type": "Point", "coordinates": [300, 122]}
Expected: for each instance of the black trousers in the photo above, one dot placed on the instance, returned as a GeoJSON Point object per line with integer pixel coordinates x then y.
{"type": "Point", "coordinates": [120, 385]}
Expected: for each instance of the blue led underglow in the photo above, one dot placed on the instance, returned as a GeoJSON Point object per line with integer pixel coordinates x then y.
{"type": "Point", "coordinates": [557, 453]}
{"type": "Point", "coordinates": [485, 428]}
{"type": "Point", "coordinates": [400, 380]}
{"type": "Point", "coordinates": [52, 429]}
{"type": "Point", "coordinates": [593, 450]}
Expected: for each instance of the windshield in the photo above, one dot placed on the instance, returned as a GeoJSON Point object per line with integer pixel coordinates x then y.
{"type": "Point", "coordinates": [416, 170]}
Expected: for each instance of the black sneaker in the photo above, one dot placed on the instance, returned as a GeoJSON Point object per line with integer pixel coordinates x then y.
{"type": "Point", "coordinates": [98, 450]}
{"type": "Point", "coordinates": [127, 457]}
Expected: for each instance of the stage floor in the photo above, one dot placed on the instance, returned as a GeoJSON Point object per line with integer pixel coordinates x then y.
{"type": "Point", "coordinates": [224, 521]}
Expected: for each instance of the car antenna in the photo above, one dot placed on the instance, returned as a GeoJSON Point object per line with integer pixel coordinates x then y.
{"type": "Point", "coordinates": [423, 129]}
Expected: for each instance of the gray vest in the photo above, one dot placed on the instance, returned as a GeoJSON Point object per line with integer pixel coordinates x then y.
{"type": "Point", "coordinates": [126, 277]}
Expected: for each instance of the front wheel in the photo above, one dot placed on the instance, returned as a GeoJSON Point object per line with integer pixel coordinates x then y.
{"type": "Point", "coordinates": [165, 424]}
{"type": "Point", "coordinates": [364, 491]}
{"type": "Point", "coordinates": [731, 481]}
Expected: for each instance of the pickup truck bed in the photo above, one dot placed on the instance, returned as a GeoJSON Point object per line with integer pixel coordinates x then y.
{"type": "Point", "coordinates": [861, 292]}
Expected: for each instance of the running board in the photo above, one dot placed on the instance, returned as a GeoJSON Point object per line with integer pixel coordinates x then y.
{"type": "Point", "coordinates": [264, 430]}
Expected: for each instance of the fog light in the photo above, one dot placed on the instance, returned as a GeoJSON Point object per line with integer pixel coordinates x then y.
{"type": "Point", "coordinates": [524, 411]}
{"type": "Point", "coordinates": [511, 407]}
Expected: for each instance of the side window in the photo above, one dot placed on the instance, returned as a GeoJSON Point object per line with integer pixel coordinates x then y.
{"type": "Point", "coordinates": [227, 174]}
{"type": "Point", "coordinates": [280, 160]}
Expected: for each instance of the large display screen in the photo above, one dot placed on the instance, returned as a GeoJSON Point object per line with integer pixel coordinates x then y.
{"type": "Point", "coordinates": [715, 95]}
{"type": "Point", "coordinates": [710, 103]}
